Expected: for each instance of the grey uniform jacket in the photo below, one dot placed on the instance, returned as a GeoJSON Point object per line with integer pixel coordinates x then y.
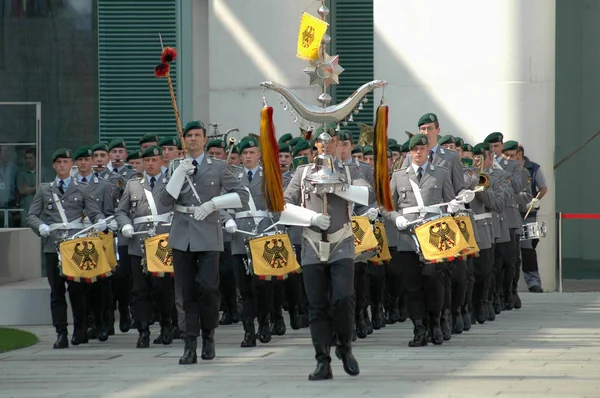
{"type": "Point", "coordinates": [435, 187]}
{"type": "Point", "coordinates": [484, 205]}
{"type": "Point", "coordinates": [101, 190]}
{"type": "Point", "coordinates": [501, 182]}
{"type": "Point", "coordinates": [75, 201]}
{"type": "Point", "coordinates": [134, 204]}
{"type": "Point", "coordinates": [450, 160]}
{"type": "Point", "coordinates": [337, 208]}
{"type": "Point", "coordinates": [513, 168]}
{"type": "Point", "coordinates": [118, 183]}
{"type": "Point", "coordinates": [211, 178]}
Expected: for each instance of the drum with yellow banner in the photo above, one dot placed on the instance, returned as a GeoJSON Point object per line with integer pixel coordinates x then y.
{"type": "Point", "coordinates": [382, 252]}
{"type": "Point", "coordinates": [439, 239]}
{"type": "Point", "coordinates": [157, 259]}
{"type": "Point", "coordinates": [82, 259]}
{"type": "Point", "coordinates": [365, 242]}
{"type": "Point", "coordinates": [463, 220]}
{"type": "Point", "coordinates": [271, 256]}
{"type": "Point", "coordinates": [108, 244]}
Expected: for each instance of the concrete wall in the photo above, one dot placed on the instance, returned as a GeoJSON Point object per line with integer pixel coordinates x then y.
{"type": "Point", "coordinates": [20, 255]}
{"type": "Point", "coordinates": [482, 66]}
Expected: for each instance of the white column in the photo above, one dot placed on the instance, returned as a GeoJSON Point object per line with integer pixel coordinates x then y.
{"type": "Point", "coordinates": [481, 66]}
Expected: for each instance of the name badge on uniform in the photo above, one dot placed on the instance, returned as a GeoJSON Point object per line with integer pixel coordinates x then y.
{"type": "Point", "coordinates": [134, 203]}
{"type": "Point", "coordinates": [240, 175]}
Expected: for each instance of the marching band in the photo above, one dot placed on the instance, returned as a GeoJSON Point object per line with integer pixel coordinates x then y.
{"type": "Point", "coordinates": [182, 232]}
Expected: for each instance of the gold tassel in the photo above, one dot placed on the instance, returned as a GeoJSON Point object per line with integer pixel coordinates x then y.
{"type": "Point", "coordinates": [382, 182]}
{"type": "Point", "coordinates": [272, 186]}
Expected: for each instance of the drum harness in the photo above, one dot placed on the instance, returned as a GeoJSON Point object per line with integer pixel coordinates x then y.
{"type": "Point", "coordinates": [65, 225]}
{"type": "Point", "coordinates": [154, 218]}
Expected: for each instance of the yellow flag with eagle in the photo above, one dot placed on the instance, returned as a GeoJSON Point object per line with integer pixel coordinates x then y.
{"type": "Point", "coordinates": [312, 30]}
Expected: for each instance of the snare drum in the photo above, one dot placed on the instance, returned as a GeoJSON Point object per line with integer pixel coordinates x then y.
{"type": "Point", "coordinates": [271, 255]}
{"type": "Point", "coordinates": [157, 258]}
{"type": "Point", "coordinates": [466, 228]}
{"type": "Point", "coordinates": [365, 242]}
{"type": "Point", "coordinates": [82, 259]}
{"type": "Point", "coordinates": [108, 244]}
{"type": "Point", "coordinates": [382, 253]}
{"type": "Point", "coordinates": [439, 239]}
{"type": "Point", "coordinates": [534, 230]}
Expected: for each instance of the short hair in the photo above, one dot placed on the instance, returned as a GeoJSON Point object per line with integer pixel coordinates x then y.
{"type": "Point", "coordinates": [521, 149]}
{"type": "Point", "coordinates": [30, 151]}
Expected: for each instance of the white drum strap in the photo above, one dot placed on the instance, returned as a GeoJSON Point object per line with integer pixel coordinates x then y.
{"type": "Point", "coordinates": [152, 205]}
{"type": "Point", "coordinates": [252, 207]}
{"type": "Point", "coordinates": [350, 204]}
{"type": "Point", "coordinates": [61, 210]}
{"type": "Point", "coordinates": [419, 197]}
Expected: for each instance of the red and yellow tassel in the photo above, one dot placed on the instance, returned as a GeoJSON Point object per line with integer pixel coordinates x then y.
{"type": "Point", "coordinates": [382, 182]}
{"type": "Point", "coordinates": [272, 186]}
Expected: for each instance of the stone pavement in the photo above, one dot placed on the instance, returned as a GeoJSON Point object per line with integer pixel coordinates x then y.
{"type": "Point", "coordinates": [549, 348]}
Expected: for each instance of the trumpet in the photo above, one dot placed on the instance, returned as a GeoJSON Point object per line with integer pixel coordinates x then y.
{"type": "Point", "coordinates": [231, 144]}
{"type": "Point", "coordinates": [479, 179]}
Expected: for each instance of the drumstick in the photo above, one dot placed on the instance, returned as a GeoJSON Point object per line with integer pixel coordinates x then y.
{"type": "Point", "coordinates": [245, 232]}
{"type": "Point", "coordinates": [90, 227]}
{"type": "Point", "coordinates": [531, 208]}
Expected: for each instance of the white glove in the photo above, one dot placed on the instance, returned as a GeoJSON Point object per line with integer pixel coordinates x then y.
{"type": "Point", "coordinates": [113, 226]}
{"type": "Point", "coordinates": [401, 223]}
{"type": "Point", "coordinates": [535, 203]}
{"type": "Point", "coordinates": [127, 230]}
{"type": "Point", "coordinates": [44, 230]}
{"type": "Point", "coordinates": [372, 214]}
{"type": "Point", "coordinates": [466, 196]}
{"type": "Point", "coordinates": [100, 225]}
{"type": "Point", "coordinates": [454, 206]}
{"type": "Point", "coordinates": [186, 167]}
{"type": "Point", "coordinates": [230, 226]}
{"type": "Point", "coordinates": [321, 221]}
{"type": "Point", "coordinates": [204, 210]}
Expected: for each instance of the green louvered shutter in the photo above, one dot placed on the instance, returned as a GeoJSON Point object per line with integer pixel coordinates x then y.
{"type": "Point", "coordinates": [352, 39]}
{"type": "Point", "coordinates": [132, 100]}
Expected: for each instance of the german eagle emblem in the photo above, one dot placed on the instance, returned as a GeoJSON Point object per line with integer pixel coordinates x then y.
{"type": "Point", "coordinates": [359, 233]}
{"type": "Point", "coordinates": [164, 253]}
{"type": "Point", "coordinates": [308, 36]}
{"type": "Point", "coordinates": [275, 253]}
{"type": "Point", "coordinates": [441, 236]}
{"type": "Point", "coordinates": [379, 237]}
{"type": "Point", "coordinates": [463, 229]}
{"type": "Point", "coordinates": [85, 256]}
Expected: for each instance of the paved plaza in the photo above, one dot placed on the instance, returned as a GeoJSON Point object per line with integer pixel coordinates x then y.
{"type": "Point", "coordinates": [549, 348]}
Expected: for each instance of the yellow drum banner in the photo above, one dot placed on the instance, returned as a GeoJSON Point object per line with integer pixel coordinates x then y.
{"type": "Point", "coordinates": [108, 244]}
{"type": "Point", "coordinates": [441, 240]}
{"type": "Point", "coordinates": [364, 238]}
{"type": "Point", "coordinates": [83, 259]}
{"type": "Point", "coordinates": [158, 255]}
{"type": "Point", "coordinates": [466, 228]}
{"type": "Point", "coordinates": [383, 248]}
{"type": "Point", "coordinates": [272, 255]}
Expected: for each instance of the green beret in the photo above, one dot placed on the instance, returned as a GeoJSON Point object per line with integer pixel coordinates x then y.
{"type": "Point", "coordinates": [346, 135]}
{"type": "Point", "coordinates": [285, 148]}
{"type": "Point", "coordinates": [64, 153]}
{"type": "Point", "coordinates": [247, 143]}
{"type": "Point", "coordinates": [394, 147]}
{"type": "Point", "coordinates": [215, 144]}
{"type": "Point", "coordinates": [417, 139]}
{"type": "Point", "coordinates": [153, 150]}
{"type": "Point", "coordinates": [368, 150]}
{"type": "Point", "coordinates": [480, 148]}
{"type": "Point", "coordinates": [446, 139]}
{"type": "Point", "coordinates": [427, 118]}
{"type": "Point", "coordinates": [510, 146]}
{"type": "Point", "coordinates": [169, 141]}
{"type": "Point", "coordinates": [148, 138]}
{"type": "Point", "coordinates": [392, 141]}
{"type": "Point", "coordinates": [357, 149]}
{"type": "Point", "coordinates": [459, 142]}
{"type": "Point", "coordinates": [83, 152]}
{"type": "Point", "coordinates": [405, 146]}
{"type": "Point", "coordinates": [467, 148]}
{"type": "Point", "coordinates": [196, 124]}
{"type": "Point", "coordinates": [285, 138]}
{"type": "Point", "coordinates": [331, 130]}
{"type": "Point", "coordinates": [131, 155]}
{"type": "Point", "coordinates": [116, 144]}
{"type": "Point", "coordinates": [302, 145]}
{"type": "Point", "coordinates": [100, 147]}
{"type": "Point", "coordinates": [294, 141]}
{"type": "Point", "coordinates": [493, 138]}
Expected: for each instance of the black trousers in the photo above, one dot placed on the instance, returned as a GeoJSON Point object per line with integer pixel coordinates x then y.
{"type": "Point", "coordinates": [100, 301]}
{"type": "Point", "coordinates": [458, 285]}
{"type": "Point", "coordinates": [361, 286]}
{"type": "Point", "coordinates": [510, 262]}
{"type": "Point", "coordinates": [499, 268]}
{"type": "Point", "coordinates": [257, 295]}
{"type": "Point", "coordinates": [424, 285]}
{"type": "Point", "coordinates": [330, 290]}
{"type": "Point", "coordinates": [393, 277]}
{"type": "Point", "coordinates": [517, 261]}
{"type": "Point", "coordinates": [58, 302]}
{"type": "Point", "coordinates": [376, 278]}
{"type": "Point", "coordinates": [197, 279]}
{"type": "Point", "coordinates": [121, 281]}
{"type": "Point", "coordinates": [470, 274]}
{"type": "Point", "coordinates": [227, 279]}
{"type": "Point", "coordinates": [482, 271]}
{"type": "Point", "coordinates": [147, 289]}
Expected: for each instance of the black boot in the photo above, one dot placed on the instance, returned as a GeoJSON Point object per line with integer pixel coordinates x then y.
{"type": "Point", "coordinates": [189, 351]}
{"type": "Point", "coordinates": [517, 301]}
{"type": "Point", "coordinates": [124, 320]}
{"type": "Point", "coordinates": [235, 316]}
{"type": "Point", "coordinates": [420, 334]}
{"type": "Point", "coordinates": [378, 321]}
{"type": "Point", "coordinates": [393, 313]}
{"type": "Point", "coordinates": [166, 334]}
{"type": "Point", "coordinates": [92, 332]}
{"type": "Point", "coordinates": [361, 326]}
{"type": "Point", "coordinates": [491, 312]}
{"type": "Point", "coordinates": [480, 308]}
{"type": "Point", "coordinates": [402, 312]}
{"type": "Point", "coordinates": [249, 335]}
{"type": "Point", "coordinates": [435, 330]}
{"type": "Point", "coordinates": [294, 318]}
{"type": "Point", "coordinates": [208, 345]}
{"type": "Point", "coordinates": [457, 322]}
{"type": "Point", "coordinates": [466, 316]}
{"type": "Point", "coordinates": [264, 332]}
{"type": "Point", "coordinates": [323, 369]}
{"type": "Point", "coordinates": [79, 336]}
{"type": "Point", "coordinates": [101, 331]}
{"type": "Point", "coordinates": [62, 340]}
{"type": "Point", "coordinates": [278, 326]}
{"type": "Point", "coordinates": [368, 322]}
{"type": "Point", "coordinates": [508, 300]}
{"type": "Point", "coordinates": [144, 338]}
{"type": "Point", "coordinates": [445, 325]}
{"type": "Point", "coordinates": [498, 304]}
{"type": "Point", "coordinates": [344, 352]}
{"type": "Point", "coordinates": [226, 318]}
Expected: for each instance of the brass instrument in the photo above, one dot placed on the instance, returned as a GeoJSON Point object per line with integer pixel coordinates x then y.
{"type": "Point", "coordinates": [484, 179]}
{"type": "Point", "coordinates": [367, 134]}
{"type": "Point", "coordinates": [397, 165]}
{"type": "Point", "coordinates": [231, 145]}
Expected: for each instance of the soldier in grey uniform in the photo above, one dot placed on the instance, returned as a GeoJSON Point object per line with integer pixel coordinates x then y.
{"type": "Point", "coordinates": [57, 209]}
{"type": "Point", "coordinates": [415, 189]}
{"type": "Point", "coordinates": [141, 210]}
{"type": "Point", "coordinates": [99, 295]}
{"type": "Point", "coordinates": [134, 159]}
{"type": "Point", "coordinates": [148, 140]}
{"type": "Point", "coordinates": [328, 277]}
{"type": "Point", "coordinates": [171, 149]}
{"type": "Point", "coordinates": [196, 237]}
